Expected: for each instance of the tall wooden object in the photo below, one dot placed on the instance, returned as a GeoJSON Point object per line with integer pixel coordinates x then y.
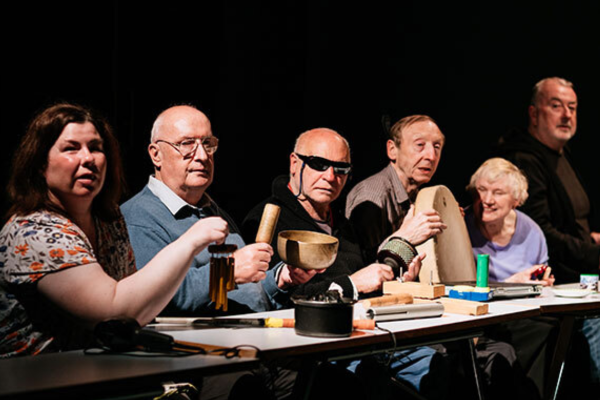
{"type": "Point", "coordinates": [449, 254]}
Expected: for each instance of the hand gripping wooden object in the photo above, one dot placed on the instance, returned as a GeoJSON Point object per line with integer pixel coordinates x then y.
{"type": "Point", "coordinates": [449, 254]}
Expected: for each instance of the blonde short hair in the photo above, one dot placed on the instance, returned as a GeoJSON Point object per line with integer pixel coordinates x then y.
{"type": "Point", "coordinates": [496, 168]}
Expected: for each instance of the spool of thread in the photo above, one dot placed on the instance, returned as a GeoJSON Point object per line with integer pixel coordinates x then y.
{"type": "Point", "coordinates": [483, 262]}
{"type": "Point", "coordinates": [397, 253]}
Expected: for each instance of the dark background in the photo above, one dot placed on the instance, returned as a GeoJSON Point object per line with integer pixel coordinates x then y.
{"type": "Point", "coordinates": [266, 71]}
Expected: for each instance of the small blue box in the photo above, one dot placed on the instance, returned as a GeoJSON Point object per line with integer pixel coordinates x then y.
{"type": "Point", "coordinates": [470, 295]}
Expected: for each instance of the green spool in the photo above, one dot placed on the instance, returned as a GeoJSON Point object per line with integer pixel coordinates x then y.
{"type": "Point", "coordinates": [483, 262]}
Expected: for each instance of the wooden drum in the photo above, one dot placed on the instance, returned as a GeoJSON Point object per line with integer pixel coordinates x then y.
{"type": "Point", "coordinates": [449, 254]}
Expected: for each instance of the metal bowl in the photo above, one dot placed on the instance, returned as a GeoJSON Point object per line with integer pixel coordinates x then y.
{"type": "Point", "coordinates": [307, 249]}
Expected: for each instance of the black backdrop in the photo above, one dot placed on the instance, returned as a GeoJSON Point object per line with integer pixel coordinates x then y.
{"type": "Point", "coordinates": [265, 71]}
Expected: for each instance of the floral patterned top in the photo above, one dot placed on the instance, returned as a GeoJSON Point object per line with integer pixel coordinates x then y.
{"type": "Point", "coordinates": [41, 243]}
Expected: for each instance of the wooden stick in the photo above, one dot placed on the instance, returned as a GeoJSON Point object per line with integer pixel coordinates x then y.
{"type": "Point", "coordinates": [267, 223]}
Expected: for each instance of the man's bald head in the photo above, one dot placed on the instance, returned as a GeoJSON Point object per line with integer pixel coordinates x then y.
{"type": "Point", "coordinates": [175, 118]}
{"type": "Point", "coordinates": [312, 140]}
{"type": "Point", "coordinates": [317, 185]}
{"type": "Point", "coordinates": [187, 175]}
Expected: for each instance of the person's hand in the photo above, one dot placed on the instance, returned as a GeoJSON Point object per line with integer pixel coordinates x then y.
{"type": "Point", "coordinates": [207, 231]}
{"type": "Point", "coordinates": [252, 262]}
{"type": "Point", "coordinates": [293, 276]}
{"type": "Point", "coordinates": [595, 237]}
{"type": "Point", "coordinates": [525, 277]}
{"type": "Point", "coordinates": [417, 228]}
{"type": "Point", "coordinates": [371, 278]}
{"type": "Point", "coordinates": [414, 268]}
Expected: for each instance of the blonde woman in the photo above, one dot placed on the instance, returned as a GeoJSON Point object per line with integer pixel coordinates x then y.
{"type": "Point", "coordinates": [515, 243]}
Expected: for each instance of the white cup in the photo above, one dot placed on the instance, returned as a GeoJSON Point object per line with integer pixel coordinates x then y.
{"type": "Point", "coordinates": [589, 281]}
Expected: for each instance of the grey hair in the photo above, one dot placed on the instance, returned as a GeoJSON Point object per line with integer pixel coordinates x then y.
{"type": "Point", "coordinates": [496, 168]}
{"type": "Point", "coordinates": [535, 93]}
{"type": "Point", "coordinates": [395, 132]}
{"type": "Point", "coordinates": [155, 128]}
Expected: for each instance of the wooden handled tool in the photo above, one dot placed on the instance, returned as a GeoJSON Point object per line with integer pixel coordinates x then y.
{"type": "Point", "coordinates": [267, 223]}
{"type": "Point", "coordinates": [366, 324]}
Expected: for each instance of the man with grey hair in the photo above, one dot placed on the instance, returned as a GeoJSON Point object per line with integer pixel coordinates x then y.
{"type": "Point", "coordinates": [382, 204]}
{"type": "Point", "coordinates": [182, 151]}
{"type": "Point", "coordinates": [558, 201]}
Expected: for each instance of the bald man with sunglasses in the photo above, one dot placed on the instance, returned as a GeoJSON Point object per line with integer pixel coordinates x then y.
{"type": "Point", "coordinates": [319, 169]}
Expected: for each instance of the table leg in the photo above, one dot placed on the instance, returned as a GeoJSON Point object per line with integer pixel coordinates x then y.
{"type": "Point", "coordinates": [470, 365]}
{"type": "Point", "coordinates": [559, 357]}
{"type": "Point", "coordinates": [305, 379]}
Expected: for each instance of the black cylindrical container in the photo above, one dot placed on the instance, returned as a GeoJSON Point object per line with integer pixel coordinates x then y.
{"type": "Point", "coordinates": [323, 318]}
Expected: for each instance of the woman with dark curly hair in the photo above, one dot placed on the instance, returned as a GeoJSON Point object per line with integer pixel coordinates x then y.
{"type": "Point", "coordinates": [65, 258]}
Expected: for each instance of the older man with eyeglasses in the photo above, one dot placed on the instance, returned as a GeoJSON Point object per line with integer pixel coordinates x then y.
{"type": "Point", "coordinates": [182, 150]}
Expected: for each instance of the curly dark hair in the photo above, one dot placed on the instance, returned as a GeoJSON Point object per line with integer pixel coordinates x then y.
{"type": "Point", "coordinates": [27, 187]}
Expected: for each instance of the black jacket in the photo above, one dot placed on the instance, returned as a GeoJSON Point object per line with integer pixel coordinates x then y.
{"type": "Point", "coordinates": [549, 205]}
{"type": "Point", "coordinates": [294, 217]}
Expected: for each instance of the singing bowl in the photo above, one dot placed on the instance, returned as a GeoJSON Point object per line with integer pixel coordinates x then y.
{"type": "Point", "coordinates": [307, 249]}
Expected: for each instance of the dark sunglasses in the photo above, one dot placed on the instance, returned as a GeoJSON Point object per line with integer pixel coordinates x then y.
{"type": "Point", "coordinates": [322, 164]}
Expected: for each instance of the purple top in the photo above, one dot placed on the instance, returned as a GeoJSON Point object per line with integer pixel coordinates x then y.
{"type": "Point", "coordinates": [527, 247]}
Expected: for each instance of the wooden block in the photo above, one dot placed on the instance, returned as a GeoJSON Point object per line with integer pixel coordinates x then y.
{"type": "Point", "coordinates": [387, 300]}
{"type": "Point", "coordinates": [416, 289]}
{"type": "Point", "coordinates": [459, 306]}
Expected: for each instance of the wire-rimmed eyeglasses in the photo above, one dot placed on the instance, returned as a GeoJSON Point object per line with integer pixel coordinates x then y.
{"type": "Point", "coordinates": [187, 147]}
